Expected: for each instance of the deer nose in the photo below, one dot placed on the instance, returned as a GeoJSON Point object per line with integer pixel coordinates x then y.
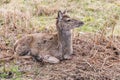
{"type": "Point", "coordinates": [81, 23]}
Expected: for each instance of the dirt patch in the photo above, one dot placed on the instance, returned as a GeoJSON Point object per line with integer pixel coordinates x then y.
{"type": "Point", "coordinates": [95, 58]}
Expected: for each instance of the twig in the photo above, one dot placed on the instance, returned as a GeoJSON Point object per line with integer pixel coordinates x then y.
{"type": "Point", "coordinates": [90, 65]}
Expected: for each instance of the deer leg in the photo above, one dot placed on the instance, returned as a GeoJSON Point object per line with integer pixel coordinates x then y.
{"type": "Point", "coordinates": [35, 54]}
{"type": "Point", "coordinates": [60, 52]}
{"type": "Point", "coordinates": [50, 59]}
{"type": "Point", "coordinates": [68, 52]}
{"type": "Point", "coordinates": [37, 58]}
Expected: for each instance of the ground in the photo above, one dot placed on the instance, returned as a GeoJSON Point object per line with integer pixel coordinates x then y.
{"type": "Point", "coordinates": [96, 44]}
{"type": "Point", "coordinates": [92, 60]}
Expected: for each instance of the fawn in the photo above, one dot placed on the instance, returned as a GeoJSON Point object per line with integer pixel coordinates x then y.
{"type": "Point", "coordinates": [50, 47]}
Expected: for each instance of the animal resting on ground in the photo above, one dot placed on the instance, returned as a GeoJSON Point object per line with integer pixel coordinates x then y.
{"type": "Point", "coordinates": [50, 48]}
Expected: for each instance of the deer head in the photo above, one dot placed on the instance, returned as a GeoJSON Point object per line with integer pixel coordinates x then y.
{"type": "Point", "coordinates": [64, 22]}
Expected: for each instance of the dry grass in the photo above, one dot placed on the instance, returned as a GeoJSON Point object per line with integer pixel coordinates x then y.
{"type": "Point", "coordinates": [94, 58]}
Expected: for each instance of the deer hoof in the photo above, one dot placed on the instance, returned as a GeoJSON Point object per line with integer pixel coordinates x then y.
{"type": "Point", "coordinates": [50, 59]}
{"type": "Point", "coordinates": [67, 57]}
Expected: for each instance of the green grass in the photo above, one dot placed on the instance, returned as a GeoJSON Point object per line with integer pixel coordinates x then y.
{"type": "Point", "coordinates": [95, 13]}
{"type": "Point", "coordinates": [10, 72]}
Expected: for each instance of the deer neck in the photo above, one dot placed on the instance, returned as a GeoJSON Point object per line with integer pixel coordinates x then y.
{"type": "Point", "coordinates": [65, 41]}
{"type": "Point", "coordinates": [64, 36]}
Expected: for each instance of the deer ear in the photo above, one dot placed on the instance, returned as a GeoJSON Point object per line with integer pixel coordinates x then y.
{"type": "Point", "coordinates": [60, 15]}
{"type": "Point", "coordinates": [65, 11]}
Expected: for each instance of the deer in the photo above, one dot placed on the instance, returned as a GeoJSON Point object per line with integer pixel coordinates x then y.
{"type": "Point", "coordinates": [51, 48]}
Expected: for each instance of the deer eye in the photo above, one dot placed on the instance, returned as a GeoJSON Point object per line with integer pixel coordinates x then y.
{"type": "Point", "coordinates": [51, 38]}
{"type": "Point", "coordinates": [44, 41]}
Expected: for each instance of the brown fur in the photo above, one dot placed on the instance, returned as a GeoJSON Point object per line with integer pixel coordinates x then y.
{"type": "Point", "coordinates": [39, 45]}
{"type": "Point", "coordinates": [50, 47]}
